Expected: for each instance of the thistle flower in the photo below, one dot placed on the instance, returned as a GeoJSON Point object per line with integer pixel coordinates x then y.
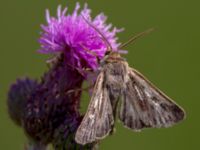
{"type": "Point", "coordinates": [51, 104]}
{"type": "Point", "coordinates": [17, 98]}
{"type": "Point", "coordinates": [49, 113]}
{"type": "Point", "coordinates": [71, 34]}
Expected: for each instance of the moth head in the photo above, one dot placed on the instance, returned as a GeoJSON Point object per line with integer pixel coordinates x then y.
{"type": "Point", "coordinates": [111, 57]}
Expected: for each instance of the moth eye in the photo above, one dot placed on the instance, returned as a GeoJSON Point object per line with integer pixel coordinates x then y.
{"type": "Point", "coordinates": [107, 53]}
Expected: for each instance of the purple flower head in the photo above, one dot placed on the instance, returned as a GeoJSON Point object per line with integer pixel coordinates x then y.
{"type": "Point", "coordinates": [50, 104]}
{"type": "Point", "coordinates": [17, 98]}
{"type": "Point", "coordinates": [72, 35]}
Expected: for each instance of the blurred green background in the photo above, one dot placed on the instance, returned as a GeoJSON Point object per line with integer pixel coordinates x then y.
{"type": "Point", "coordinates": [169, 57]}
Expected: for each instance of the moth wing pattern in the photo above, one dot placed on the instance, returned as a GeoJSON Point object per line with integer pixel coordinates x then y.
{"type": "Point", "coordinates": [98, 120]}
{"type": "Point", "coordinates": [145, 106]}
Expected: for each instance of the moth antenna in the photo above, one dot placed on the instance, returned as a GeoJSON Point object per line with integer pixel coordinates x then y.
{"type": "Point", "coordinates": [135, 37]}
{"type": "Point", "coordinates": [109, 47]}
{"type": "Point", "coordinates": [91, 52]}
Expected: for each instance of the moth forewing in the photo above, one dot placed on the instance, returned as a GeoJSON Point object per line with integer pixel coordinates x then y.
{"type": "Point", "coordinates": [98, 120]}
{"type": "Point", "coordinates": [145, 106]}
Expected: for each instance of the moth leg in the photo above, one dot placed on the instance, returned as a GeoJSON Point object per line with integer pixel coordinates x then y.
{"type": "Point", "coordinates": [79, 89]}
{"type": "Point", "coordinates": [88, 69]}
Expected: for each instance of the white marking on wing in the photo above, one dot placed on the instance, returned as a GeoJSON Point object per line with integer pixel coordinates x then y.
{"type": "Point", "coordinates": [147, 93]}
{"type": "Point", "coordinates": [139, 94]}
{"type": "Point", "coordinates": [98, 101]}
{"type": "Point", "coordinates": [91, 118]}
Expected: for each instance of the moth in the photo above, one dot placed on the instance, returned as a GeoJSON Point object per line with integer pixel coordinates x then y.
{"type": "Point", "coordinates": [124, 92]}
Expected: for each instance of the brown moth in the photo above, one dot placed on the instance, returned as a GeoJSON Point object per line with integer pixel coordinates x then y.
{"type": "Point", "coordinates": [123, 91]}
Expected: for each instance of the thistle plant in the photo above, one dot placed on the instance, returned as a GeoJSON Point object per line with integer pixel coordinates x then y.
{"type": "Point", "coordinates": [48, 109]}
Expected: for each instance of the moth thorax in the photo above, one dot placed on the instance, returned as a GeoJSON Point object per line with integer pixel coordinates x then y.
{"type": "Point", "coordinates": [115, 55]}
{"type": "Point", "coordinates": [116, 74]}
